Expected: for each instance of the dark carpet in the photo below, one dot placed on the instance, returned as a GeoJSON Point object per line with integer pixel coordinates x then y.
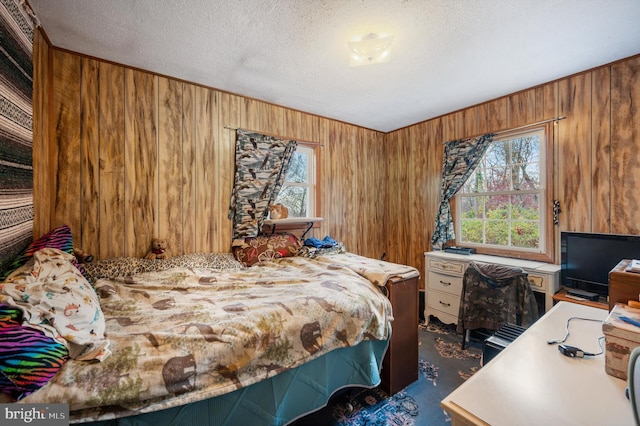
{"type": "Point", "coordinates": [442, 367]}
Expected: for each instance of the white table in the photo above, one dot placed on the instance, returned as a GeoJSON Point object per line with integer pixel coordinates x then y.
{"type": "Point", "coordinates": [532, 383]}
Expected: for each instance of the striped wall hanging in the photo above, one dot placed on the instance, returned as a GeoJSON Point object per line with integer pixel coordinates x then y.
{"type": "Point", "coordinates": [17, 23]}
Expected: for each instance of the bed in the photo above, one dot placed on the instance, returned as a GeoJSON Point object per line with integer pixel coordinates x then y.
{"type": "Point", "coordinates": [204, 339]}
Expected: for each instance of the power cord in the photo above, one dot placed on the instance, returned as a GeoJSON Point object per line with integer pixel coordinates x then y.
{"type": "Point", "coordinates": [572, 351]}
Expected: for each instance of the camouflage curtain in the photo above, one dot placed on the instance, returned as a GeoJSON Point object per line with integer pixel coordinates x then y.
{"type": "Point", "coordinates": [461, 157]}
{"type": "Point", "coordinates": [261, 165]}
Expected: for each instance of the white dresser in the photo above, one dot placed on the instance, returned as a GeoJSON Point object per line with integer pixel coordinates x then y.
{"type": "Point", "coordinates": [444, 281]}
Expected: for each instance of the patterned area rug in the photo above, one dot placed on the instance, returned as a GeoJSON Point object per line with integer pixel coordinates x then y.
{"type": "Point", "coordinates": [442, 367]}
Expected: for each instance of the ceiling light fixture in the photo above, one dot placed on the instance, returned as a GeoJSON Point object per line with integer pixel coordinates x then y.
{"type": "Point", "coordinates": [370, 49]}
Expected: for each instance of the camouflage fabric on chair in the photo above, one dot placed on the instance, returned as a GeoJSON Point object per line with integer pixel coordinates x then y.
{"type": "Point", "coordinates": [493, 295]}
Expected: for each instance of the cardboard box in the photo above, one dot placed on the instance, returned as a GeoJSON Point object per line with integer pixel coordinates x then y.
{"type": "Point", "coordinates": [621, 338]}
{"type": "Point", "coordinates": [623, 284]}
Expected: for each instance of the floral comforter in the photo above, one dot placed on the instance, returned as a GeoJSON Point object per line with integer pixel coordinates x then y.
{"type": "Point", "coordinates": [186, 334]}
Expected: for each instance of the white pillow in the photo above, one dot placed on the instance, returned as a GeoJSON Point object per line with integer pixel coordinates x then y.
{"type": "Point", "coordinates": [58, 300]}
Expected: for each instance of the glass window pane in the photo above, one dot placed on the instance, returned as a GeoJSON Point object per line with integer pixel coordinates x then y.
{"type": "Point", "coordinates": [497, 154]}
{"type": "Point", "coordinates": [475, 183]}
{"type": "Point", "coordinates": [497, 179]}
{"type": "Point", "coordinates": [525, 206]}
{"type": "Point", "coordinates": [525, 176]}
{"type": "Point", "coordinates": [525, 149]}
{"type": "Point", "coordinates": [295, 198]}
{"type": "Point", "coordinates": [472, 207]}
{"type": "Point", "coordinates": [472, 231]}
{"type": "Point", "coordinates": [525, 234]}
{"type": "Point", "coordinates": [497, 232]}
{"type": "Point", "coordinates": [297, 168]}
{"type": "Point", "coordinates": [497, 207]}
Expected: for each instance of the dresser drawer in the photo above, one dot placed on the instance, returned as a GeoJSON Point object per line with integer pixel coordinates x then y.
{"type": "Point", "coordinates": [537, 282]}
{"type": "Point", "coordinates": [452, 267]}
{"type": "Point", "coordinates": [444, 302]}
{"type": "Point", "coordinates": [445, 283]}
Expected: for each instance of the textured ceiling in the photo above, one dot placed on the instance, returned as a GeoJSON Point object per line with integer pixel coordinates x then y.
{"type": "Point", "coordinates": [446, 55]}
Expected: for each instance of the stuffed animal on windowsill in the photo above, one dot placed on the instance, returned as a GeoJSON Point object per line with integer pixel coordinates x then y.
{"type": "Point", "coordinates": [159, 250]}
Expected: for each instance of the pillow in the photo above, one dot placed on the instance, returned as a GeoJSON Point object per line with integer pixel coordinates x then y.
{"type": "Point", "coordinates": [216, 261]}
{"type": "Point", "coordinates": [127, 266]}
{"type": "Point", "coordinates": [252, 250]}
{"type": "Point", "coordinates": [120, 267]}
{"type": "Point", "coordinates": [28, 358]}
{"type": "Point", "coordinates": [58, 300]}
{"type": "Point", "coordinates": [59, 238]}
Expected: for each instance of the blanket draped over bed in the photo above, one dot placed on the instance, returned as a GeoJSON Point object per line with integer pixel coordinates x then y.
{"type": "Point", "coordinates": [212, 332]}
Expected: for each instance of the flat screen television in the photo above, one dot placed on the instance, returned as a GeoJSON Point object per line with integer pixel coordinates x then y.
{"type": "Point", "coordinates": [587, 258]}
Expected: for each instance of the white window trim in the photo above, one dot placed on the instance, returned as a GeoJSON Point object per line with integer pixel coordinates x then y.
{"type": "Point", "coordinates": [311, 175]}
{"type": "Point", "coordinates": [542, 195]}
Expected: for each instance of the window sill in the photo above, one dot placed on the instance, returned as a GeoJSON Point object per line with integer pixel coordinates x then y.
{"type": "Point", "coordinates": [293, 221]}
{"type": "Point", "coordinates": [301, 224]}
{"type": "Point", "coordinates": [547, 257]}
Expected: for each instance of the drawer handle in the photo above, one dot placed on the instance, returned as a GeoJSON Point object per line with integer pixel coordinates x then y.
{"type": "Point", "coordinates": [445, 282]}
{"type": "Point", "coordinates": [444, 304]}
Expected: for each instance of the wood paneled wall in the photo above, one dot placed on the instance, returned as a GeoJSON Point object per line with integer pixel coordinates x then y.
{"type": "Point", "coordinates": [41, 137]}
{"type": "Point", "coordinates": [129, 154]}
{"type": "Point", "coordinates": [596, 162]}
{"type": "Point", "coordinates": [121, 155]}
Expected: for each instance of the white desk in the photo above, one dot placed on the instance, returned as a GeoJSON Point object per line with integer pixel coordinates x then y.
{"type": "Point", "coordinates": [444, 273]}
{"type": "Point", "coordinates": [532, 383]}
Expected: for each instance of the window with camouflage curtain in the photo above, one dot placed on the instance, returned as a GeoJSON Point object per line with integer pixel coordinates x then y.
{"type": "Point", "coordinates": [261, 165]}
{"type": "Point", "coordinates": [460, 159]}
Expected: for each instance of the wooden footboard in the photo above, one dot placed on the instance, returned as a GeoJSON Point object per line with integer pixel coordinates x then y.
{"type": "Point", "coordinates": [400, 364]}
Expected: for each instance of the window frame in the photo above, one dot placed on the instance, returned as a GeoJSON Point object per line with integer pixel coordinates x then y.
{"type": "Point", "coordinates": [313, 179]}
{"type": "Point", "coordinates": [547, 231]}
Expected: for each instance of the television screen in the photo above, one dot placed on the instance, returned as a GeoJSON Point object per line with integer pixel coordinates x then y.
{"type": "Point", "coordinates": [587, 258]}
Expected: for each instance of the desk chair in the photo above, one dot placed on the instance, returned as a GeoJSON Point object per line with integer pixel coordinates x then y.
{"type": "Point", "coordinates": [633, 379]}
{"type": "Point", "coordinates": [494, 295]}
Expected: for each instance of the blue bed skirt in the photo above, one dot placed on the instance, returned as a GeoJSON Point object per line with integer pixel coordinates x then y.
{"type": "Point", "coordinates": [280, 399]}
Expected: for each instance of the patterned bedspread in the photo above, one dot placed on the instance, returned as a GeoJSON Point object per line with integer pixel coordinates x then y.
{"type": "Point", "coordinates": [376, 271]}
{"type": "Point", "coordinates": [187, 334]}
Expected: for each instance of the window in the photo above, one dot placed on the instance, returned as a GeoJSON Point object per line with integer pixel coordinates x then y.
{"type": "Point", "coordinates": [502, 206]}
{"type": "Point", "coordinates": [298, 191]}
